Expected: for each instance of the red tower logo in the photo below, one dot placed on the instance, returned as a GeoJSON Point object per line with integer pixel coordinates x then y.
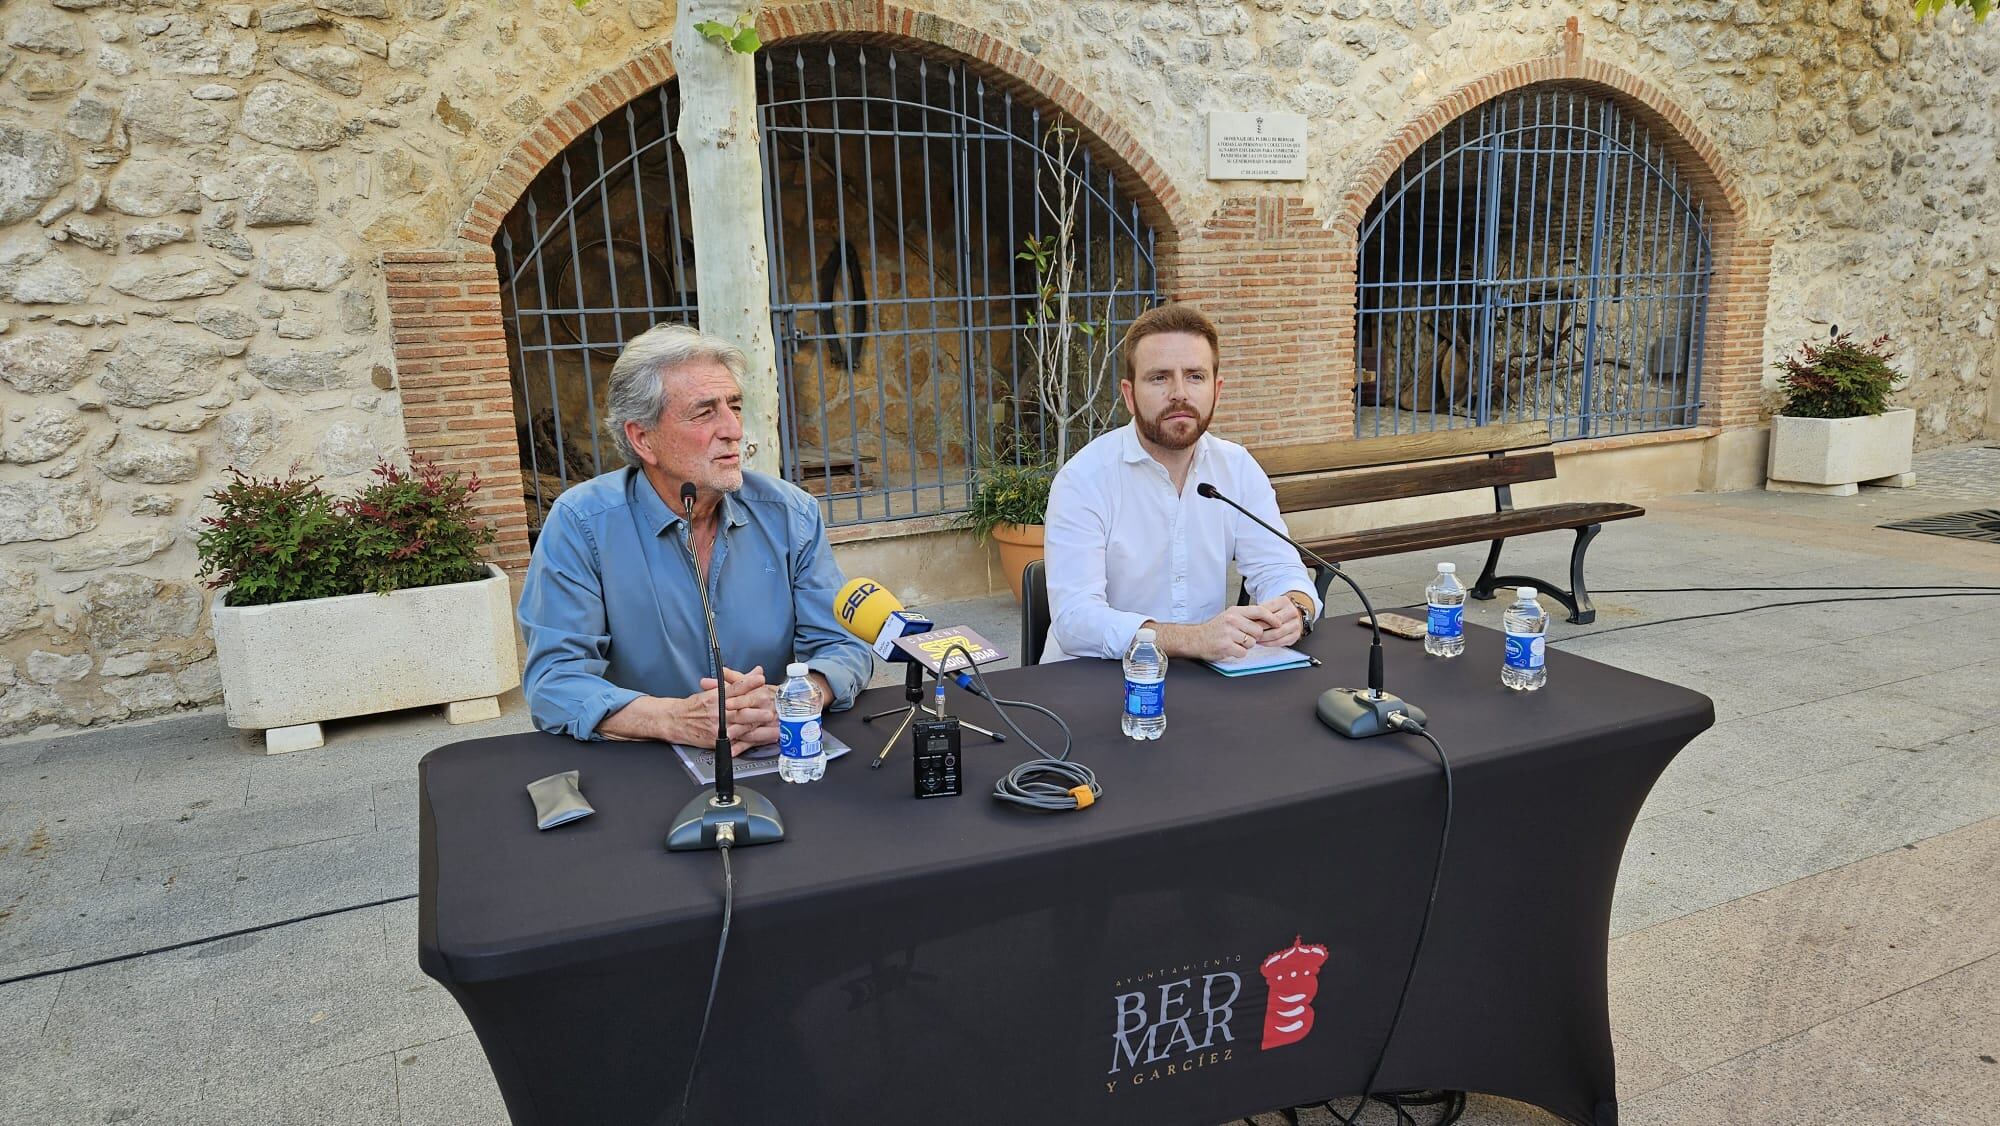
{"type": "Point", "coordinates": [1293, 977]}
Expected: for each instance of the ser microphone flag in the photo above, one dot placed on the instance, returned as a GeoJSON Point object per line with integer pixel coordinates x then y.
{"type": "Point", "coordinates": [866, 609]}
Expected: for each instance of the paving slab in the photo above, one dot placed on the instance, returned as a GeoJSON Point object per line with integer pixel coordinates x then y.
{"type": "Point", "coordinates": [1708, 987]}
{"type": "Point", "coordinates": [447, 1083]}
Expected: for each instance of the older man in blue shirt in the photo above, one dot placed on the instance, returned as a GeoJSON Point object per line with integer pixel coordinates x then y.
{"type": "Point", "coordinates": [617, 648]}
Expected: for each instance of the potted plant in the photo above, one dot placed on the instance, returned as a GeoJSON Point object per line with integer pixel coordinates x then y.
{"type": "Point", "coordinates": [329, 607]}
{"type": "Point", "coordinates": [1836, 428]}
{"type": "Point", "coordinates": [1008, 504]}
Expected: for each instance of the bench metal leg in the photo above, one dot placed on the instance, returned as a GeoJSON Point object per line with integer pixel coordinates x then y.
{"type": "Point", "coordinates": [1576, 599]}
{"type": "Point", "coordinates": [1483, 588]}
{"type": "Point", "coordinates": [1581, 612]}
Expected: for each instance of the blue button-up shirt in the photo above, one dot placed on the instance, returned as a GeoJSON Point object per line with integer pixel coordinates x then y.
{"type": "Point", "coordinates": [611, 612]}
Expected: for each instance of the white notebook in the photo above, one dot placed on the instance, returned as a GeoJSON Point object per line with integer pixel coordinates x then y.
{"type": "Point", "coordinates": [1263, 658]}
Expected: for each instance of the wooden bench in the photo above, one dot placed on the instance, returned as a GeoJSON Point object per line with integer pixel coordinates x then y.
{"type": "Point", "coordinates": [1335, 474]}
{"type": "Point", "coordinates": [821, 471]}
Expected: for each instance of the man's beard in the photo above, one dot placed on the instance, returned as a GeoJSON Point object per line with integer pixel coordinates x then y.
{"type": "Point", "coordinates": [1154, 429]}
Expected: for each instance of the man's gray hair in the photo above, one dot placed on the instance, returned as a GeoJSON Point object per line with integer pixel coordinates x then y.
{"type": "Point", "coordinates": [638, 378]}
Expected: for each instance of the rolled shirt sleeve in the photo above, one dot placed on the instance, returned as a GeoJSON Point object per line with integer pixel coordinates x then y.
{"type": "Point", "coordinates": [1075, 535]}
{"type": "Point", "coordinates": [818, 637]}
{"type": "Point", "coordinates": [1269, 566]}
{"type": "Point", "coordinates": [562, 617]}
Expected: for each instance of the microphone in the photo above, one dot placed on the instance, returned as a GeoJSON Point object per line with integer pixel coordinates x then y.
{"type": "Point", "coordinates": [1355, 713]}
{"type": "Point", "coordinates": [724, 816]}
{"type": "Point", "coordinates": [866, 609]}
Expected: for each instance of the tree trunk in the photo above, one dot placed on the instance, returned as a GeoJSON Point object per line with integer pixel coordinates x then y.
{"type": "Point", "coordinates": [717, 133]}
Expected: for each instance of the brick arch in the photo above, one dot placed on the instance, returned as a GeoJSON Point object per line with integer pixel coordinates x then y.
{"type": "Point", "coordinates": [1697, 157]}
{"type": "Point", "coordinates": [1733, 349]}
{"type": "Point", "coordinates": [452, 367]}
{"type": "Point", "coordinates": [1136, 173]}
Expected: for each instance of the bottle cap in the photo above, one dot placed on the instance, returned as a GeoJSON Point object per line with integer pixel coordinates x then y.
{"type": "Point", "coordinates": [1144, 635]}
{"type": "Point", "coordinates": [1447, 568]}
{"type": "Point", "coordinates": [1524, 593]}
{"type": "Point", "coordinates": [796, 669]}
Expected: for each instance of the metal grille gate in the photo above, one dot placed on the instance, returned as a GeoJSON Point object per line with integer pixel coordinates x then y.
{"type": "Point", "coordinates": [898, 192]}
{"type": "Point", "coordinates": [595, 253]}
{"type": "Point", "coordinates": [1540, 258]}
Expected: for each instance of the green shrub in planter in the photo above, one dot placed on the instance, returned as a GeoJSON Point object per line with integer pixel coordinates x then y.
{"type": "Point", "coordinates": [417, 529]}
{"type": "Point", "coordinates": [1838, 379]}
{"type": "Point", "coordinates": [286, 540]}
{"type": "Point", "coordinates": [1008, 494]}
{"type": "Point", "coordinates": [280, 540]}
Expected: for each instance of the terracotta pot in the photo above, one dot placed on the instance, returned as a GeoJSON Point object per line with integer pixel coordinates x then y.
{"type": "Point", "coordinates": [1020, 545]}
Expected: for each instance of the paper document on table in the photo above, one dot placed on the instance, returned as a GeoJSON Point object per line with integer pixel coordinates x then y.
{"type": "Point", "coordinates": [1263, 658]}
{"type": "Point", "coordinates": [700, 761]}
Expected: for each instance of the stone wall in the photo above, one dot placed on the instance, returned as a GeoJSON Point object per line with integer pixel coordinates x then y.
{"type": "Point", "coordinates": [197, 200]}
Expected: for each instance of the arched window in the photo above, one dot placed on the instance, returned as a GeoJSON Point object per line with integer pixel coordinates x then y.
{"type": "Point", "coordinates": [901, 195]}
{"type": "Point", "coordinates": [1541, 257]}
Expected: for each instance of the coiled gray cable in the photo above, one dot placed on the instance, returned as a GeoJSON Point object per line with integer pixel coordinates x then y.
{"type": "Point", "coordinates": [1050, 782]}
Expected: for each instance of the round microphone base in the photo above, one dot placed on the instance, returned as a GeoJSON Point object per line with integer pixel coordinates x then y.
{"type": "Point", "coordinates": [755, 819]}
{"type": "Point", "coordinates": [1358, 715]}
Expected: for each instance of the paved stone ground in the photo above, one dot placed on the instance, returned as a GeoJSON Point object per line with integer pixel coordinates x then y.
{"type": "Point", "coordinates": [1805, 931]}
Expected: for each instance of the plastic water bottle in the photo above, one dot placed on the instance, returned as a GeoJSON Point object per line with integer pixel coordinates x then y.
{"type": "Point", "coordinates": [801, 758]}
{"type": "Point", "coordinates": [1526, 624]}
{"type": "Point", "coordinates": [1145, 688]}
{"type": "Point", "coordinates": [1445, 636]}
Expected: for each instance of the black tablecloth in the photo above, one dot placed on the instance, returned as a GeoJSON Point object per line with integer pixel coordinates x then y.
{"type": "Point", "coordinates": [905, 961]}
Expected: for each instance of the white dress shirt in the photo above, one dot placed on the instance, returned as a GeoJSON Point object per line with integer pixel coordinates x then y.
{"type": "Point", "coordinates": [1121, 546]}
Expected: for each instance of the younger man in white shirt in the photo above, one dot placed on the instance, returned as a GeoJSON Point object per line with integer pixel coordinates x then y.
{"type": "Point", "coordinates": [1130, 544]}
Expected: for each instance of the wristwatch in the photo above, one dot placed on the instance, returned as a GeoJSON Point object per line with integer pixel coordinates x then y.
{"type": "Point", "coordinates": [1305, 606]}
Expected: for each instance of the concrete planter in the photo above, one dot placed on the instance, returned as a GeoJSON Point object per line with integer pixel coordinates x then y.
{"type": "Point", "coordinates": [286, 667]}
{"type": "Point", "coordinates": [1833, 455]}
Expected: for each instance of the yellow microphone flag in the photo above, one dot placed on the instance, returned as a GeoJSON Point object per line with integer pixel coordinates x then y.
{"type": "Point", "coordinates": [862, 606]}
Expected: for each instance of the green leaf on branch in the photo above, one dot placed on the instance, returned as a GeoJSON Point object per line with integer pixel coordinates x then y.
{"type": "Point", "coordinates": [740, 37]}
{"type": "Point", "coordinates": [1980, 9]}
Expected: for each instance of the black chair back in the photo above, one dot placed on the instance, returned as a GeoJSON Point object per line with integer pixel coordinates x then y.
{"type": "Point", "coordinates": [1034, 613]}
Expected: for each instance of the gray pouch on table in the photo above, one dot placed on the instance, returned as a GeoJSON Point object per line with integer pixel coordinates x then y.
{"type": "Point", "coordinates": [557, 800]}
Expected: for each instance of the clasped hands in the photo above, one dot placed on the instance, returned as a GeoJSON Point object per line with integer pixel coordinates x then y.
{"type": "Point", "coordinates": [1238, 629]}
{"type": "Point", "coordinates": [751, 703]}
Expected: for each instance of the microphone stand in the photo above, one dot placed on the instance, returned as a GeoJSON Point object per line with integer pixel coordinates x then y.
{"type": "Point", "coordinates": [1355, 713]}
{"type": "Point", "coordinates": [726, 815]}
{"type": "Point", "coordinates": [913, 691]}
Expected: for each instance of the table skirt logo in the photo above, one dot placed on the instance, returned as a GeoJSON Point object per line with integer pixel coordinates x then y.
{"type": "Point", "coordinates": [1293, 977]}
{"type": "Point", "coordinates": [1174, 1022]}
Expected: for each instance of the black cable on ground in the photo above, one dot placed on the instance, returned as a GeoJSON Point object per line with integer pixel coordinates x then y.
{"type": "Point", "coordinates": [170, 948]}
{"type": "Point", "coordinates": [714, 977]}
{"type": "Point", "coordinates": [1405, 724]}
{"type": "Point", "coordinates": [1975, 593]}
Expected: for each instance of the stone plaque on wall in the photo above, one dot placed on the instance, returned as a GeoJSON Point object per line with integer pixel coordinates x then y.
{"type": "Point", "coordinates": [1256, 146]}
